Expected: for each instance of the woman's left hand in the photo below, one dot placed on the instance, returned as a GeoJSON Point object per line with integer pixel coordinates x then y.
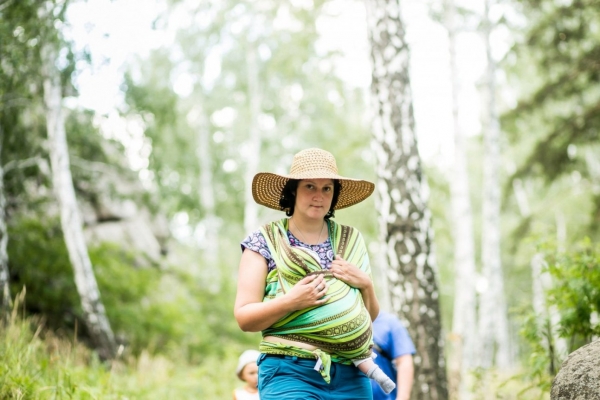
{"type": "Point", "coordinates": [359, 279]}
{"type": "Point", "coordinates": [349, 273]}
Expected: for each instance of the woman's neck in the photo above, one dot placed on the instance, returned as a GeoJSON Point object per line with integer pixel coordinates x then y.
{"type": "Point", "coordinates": [310, 232]}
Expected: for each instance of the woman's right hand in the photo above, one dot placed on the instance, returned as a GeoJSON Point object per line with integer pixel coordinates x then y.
{"type": "Point", "coordinates": [254, 315]}
{"type": "Point", "coordinates": [308, 292]}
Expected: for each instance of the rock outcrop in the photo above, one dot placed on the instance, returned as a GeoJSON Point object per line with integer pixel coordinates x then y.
{"type": "Point", "coordinates": [579, 375]}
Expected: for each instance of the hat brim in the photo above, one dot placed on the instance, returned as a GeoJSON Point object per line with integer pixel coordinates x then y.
{"type": "Point", "coordinates": [267, 187]}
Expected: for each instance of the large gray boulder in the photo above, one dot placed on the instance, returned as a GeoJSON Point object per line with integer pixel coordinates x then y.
{"type": "Point", "coordinates": [579, 375]}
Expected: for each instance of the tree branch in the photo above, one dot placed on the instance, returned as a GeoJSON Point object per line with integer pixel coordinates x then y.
{"type": "Point", "coordinates": [14, 164]}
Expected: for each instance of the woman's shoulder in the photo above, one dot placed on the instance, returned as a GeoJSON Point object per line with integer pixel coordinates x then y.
{"type": "Point", "coordinates": [254, 239]}
{"type": "Point", "coordinates": [257, 242]}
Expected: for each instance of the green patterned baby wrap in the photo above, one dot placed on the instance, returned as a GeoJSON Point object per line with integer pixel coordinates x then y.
{"type": "Point", "coordinates": [342, 326]}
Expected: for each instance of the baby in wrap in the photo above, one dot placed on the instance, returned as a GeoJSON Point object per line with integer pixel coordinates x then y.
{"type": "Point", "coordinates": [341, 328]}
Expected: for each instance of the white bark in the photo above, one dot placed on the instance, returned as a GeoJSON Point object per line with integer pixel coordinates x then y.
{"type": "Point", "coordinates": [465, 303]}
{"type": "Point", "coordinates": [539, 285]}
{"type": "Point", "coordinates": [593, 165]}
{"type": "Point", "coordinates": [207, 200]}
{"type": "Point", "coordinates": [380, 278]}
{"type": "Point", "coordinates": [254, 143]}
{"type": "Point", "coordinates": [521, 197]}
{"type": "Point", "coordinates": [93, 309]}
{"type": "Point", "coordinates": [6, 300]}
{"type": "Point", "coordinates": [401, 197]}
{"type": "Point", "coordinates": [493, 321]}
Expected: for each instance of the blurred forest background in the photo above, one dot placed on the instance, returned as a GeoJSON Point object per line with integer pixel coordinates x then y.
{"type": "Point", "coordinates": [122, 207]}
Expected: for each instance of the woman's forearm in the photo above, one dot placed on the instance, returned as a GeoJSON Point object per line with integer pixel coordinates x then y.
{"type": "Point", "coordinates": [370, 301]}
{"type": "Point", "coordinates": [256, 317]}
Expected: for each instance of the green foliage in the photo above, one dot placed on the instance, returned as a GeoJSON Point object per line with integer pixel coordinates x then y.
{"type": "Point", "coordinates": [576, 292]}
{"type": "Point", "coordinates": [553, 132]}
{"type": "Point", "coordinates": [166, 311]}
{"type": "Point", "coordinates": [32, 368]}
{"type": "Point", "coordinates": [37, 365]}
{"type": "Point", "coordinates": [24, 29]}
{"type": "Point", "coordinates": [487, 384]}
{"type": "Point", "coordinates": [299, 101]}
{"type": "Point", "coordinates": [575, 296]}
{"type": "Point", "coordinates": [541, 358]}
{"type": "Point", "coordinates": [162, 311]}
{"type": "Point", "coordinates": [126, 292]}
{"type": "Point", "coordinates": [45, 273]}
{"type": "Point", "coordinates": [20, 95]}
{"type": "Point", "coordinates": [553, 64]}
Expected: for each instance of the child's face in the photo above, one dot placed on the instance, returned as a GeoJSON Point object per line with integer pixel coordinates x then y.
{"type": "Point", "coordinates": [250, 374]}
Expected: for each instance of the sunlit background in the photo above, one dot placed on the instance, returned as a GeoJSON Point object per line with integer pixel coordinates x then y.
{"type": "Point", "coordinates": [171, 106]}
{"type": "Point", "coordinates": [118, 31]}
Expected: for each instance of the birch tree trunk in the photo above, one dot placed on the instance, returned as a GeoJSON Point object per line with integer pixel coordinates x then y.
{"type": "Point", "coordinates": [402, 199]}
{"type": "Point", "coordinates": [254, 140]}
{"type": "Point", "coordinates": [463, 336]}
{"type": "Point", "coordinates": [548, 318]}
{"type": "Point", "coordinates": [207, 200]}
{"type": "Point", "coordinates": [538, 285]}
{"type": "Point", "coordinates": [93, 309]}
{"type": "Point", "coordinates": [493, 322]}
{"type": "Point", "coordinates": [560, 344]}
{"type": "Point", "coordinates": [521, 197]}
{"type": "Point", "coordinates": [6, 299]}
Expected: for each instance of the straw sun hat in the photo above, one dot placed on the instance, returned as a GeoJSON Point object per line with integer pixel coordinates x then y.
{"type": "Point", "coordinates": [309, 164]}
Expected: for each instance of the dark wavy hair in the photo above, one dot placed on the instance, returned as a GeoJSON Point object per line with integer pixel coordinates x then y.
{"type": "Point", "coordinates": [287, 201]}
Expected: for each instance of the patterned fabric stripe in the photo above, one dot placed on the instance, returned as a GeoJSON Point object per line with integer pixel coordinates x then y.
{"type": "Point", "coordinates": [272, 285]}
{"type": "Point", "coordinates": [342, 326]}
{"type": "Point", "coordinates": [280, 349]}
{"type": "Point", "coordinates": [349, 307]}
{"type": "Point", "coordinates": [284, 350]}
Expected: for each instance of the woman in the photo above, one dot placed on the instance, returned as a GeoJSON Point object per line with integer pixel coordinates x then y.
{"type": "Point", "coordinates": [314, 309]}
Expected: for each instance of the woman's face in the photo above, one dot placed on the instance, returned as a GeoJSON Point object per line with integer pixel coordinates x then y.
{"type": "Point", "coordinates": [313, 197]}
{"type": "Point", "coordinates": [250, 374]}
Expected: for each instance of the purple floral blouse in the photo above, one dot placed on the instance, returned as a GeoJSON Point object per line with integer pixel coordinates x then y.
{"type": "Point", "coordinates": [256, 242]}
